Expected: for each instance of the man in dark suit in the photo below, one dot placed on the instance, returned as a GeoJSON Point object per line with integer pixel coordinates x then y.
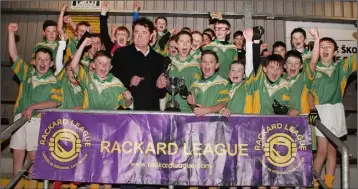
{"type": "Point", "coordinates": [140, 68]}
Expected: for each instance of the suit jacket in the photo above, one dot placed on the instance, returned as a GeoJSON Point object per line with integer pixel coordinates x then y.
{"type": "Point", "coordinates": [128, 62]}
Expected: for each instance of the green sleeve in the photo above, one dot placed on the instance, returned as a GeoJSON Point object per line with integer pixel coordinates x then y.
{"type": "Point", "coordinates": [348, 66]}
{"type": "Point", "coordinates": [56, 94]}
{"type": "Point", "coordinates": [61, 76]}
{"type": "Point", "coordinates": [21, 68]}
{"type": "Point", "coordinates": [307, 73]}
{"type": "Point", "coordinates": [83, 78]}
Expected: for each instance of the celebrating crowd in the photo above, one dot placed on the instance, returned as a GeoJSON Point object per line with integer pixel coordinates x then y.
{"type": "Point", "coordinates": [105, 71]}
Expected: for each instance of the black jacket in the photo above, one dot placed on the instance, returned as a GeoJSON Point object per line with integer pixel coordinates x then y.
{"type": "Point", "coordinates": [128, 62]}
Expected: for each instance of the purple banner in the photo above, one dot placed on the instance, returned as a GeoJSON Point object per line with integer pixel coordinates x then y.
{"type": "Point", "coordinates": [164, 149]}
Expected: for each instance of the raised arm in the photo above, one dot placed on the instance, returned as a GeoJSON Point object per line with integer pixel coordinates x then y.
{"type": "Point", "coordinates": [60, 20]}
{"type": "Point", "coordinates": [59, 56]}
{"type": "Point", "coordinates": [249, 67]}
{"type": "Point", "coordinates": [315, 51]}
{"type": "Point", "coordinates": [77, 57]}
{"type": "Point", "coordinates": [136, 7]}
{"type": "Point", "coordinates": [106, 39]}
{"type": "Point", "coordinates": [13, 27]}
{"type": "Point", "coordinates": [68, 20]}
{"type": "Point", "coordinates": [163, 41]}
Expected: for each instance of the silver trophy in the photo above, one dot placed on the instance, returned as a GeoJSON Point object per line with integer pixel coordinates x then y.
{"type": "Point", "coordinates": [174, 86]}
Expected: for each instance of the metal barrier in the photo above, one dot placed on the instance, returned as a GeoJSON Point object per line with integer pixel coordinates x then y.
{"type": "Point", "coordinates": [342, 148]}
{"type": "Point", "coordinates": [19, 175]}
{"type": "Point", "coordinates": [6, 132]}
{"type": "Point", "coordinates": [319, 179]}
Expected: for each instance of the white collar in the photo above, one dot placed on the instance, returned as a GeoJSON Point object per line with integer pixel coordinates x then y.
{"type": "Point", "coordinates": [146, 53]}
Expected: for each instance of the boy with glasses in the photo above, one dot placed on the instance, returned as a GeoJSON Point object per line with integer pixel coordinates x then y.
{"type": "Point", "coordinates": [225, 50]}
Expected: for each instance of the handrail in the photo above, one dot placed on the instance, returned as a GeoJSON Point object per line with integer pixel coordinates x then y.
{"type": "Point", "coordinates": [319, 179]}
{"type": "Point", "coordinates": [19, 175]}
{"type": "Point", "coordinates": [6, 132]}
{"type": "Point", "coordinates": [342, 148]}
{"type": "Point", "coordinates": [128, 112]}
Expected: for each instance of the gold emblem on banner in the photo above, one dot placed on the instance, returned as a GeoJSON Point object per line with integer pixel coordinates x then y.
{"type": "Point", "coordinates": [68, 137]}
{"type": "Point", "coordinates": [66, 142]}
{"type": "Point", "coordinates": [277, 157]}
{"type": "Point", "coordinates": [280, 144]}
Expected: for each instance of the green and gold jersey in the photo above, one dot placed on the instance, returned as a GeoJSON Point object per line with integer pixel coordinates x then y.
{"type": "Point", "coordinates": [101, 94]}
{"type": "Point", "coordinates": [71, 49]}
{"type": "Point", "coordinates": [330, 82]}
{"type": "Point", "coordinates": [264, 93]}
{"type": "Point", "coordinates": [211, 91]}
{"type": "Point", "coordinates": [85, 61]}
{"type": "Point", "coordinates": [226, 53]}
{"type": "Point", "coordinates": [156, 46]}
{"type": "Point", "coordinates": [306, 55]}
{"type": "Point", "coordinates": [45, 44]}
{"type": "Point", "coordinates": [72, 94]}
{"type": "Point", "coordinates": [240, 100]}
{"type": "Point", "coordinates": [33, 88]}
{"type": "Point", "coordinates": [196, 55]}
{"type": "Point", "coordinates": [189, 70]}
{"type": "Point", "coordinates": [299, 88]}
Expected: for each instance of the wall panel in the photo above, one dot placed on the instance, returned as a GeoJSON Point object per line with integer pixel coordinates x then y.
{"type": "Point", "coordinates": [328, 9]}
{"type": "Point", "coordinates": [290, 7]}
{"type": "Point", "coordinates": [355, 9]}
{"type": "Point", "coordinates": [308, 8]}
{"type": "Point", "coordinates": [32, 24]}
{"type": "Point", "coordinates": [4, 36]}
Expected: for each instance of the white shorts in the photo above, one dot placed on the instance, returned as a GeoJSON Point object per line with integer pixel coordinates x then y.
{"type": "Point", "coordinates": [26, 137]}
{"type": "Point", "coordinates": [333, 117]}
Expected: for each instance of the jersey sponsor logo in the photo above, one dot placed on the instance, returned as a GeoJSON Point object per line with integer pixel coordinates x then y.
{"type": "Point", "coordinates": [181, 66]}
{"type": "Point", "coordinates": [220, 47]}
{"type": "Point", "coordinates": [35, 82]}
{"type": "Point", "coordinates": [205, 86]}
{"type": "Point", "coordinates": [100, 87]}
{"type": "Point", "coordinates": [272, 89]}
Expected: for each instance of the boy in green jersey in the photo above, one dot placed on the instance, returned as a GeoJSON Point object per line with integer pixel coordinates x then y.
{"type": "Point", "coordinates": [279, 48]}
{"type": "Point", "coordinates": [240, 97]}
{"type": "Point", "coordinates": [298, 38]}
{"type": "Point", "coordinates": [197, 41]}
{"type": "Point", "coordinates": [299, 75]}
{"type": "Point", "coordinates": [81, 29]}
{"type": "Point", "coordinates": [226, 51]}
{"type": "Point", "coordinates": [210, 93]}
{"type": "Point", "coordinates": [37, 85]}
{"type": "Point", "coordinates": [101, 89]}
{"type": "Point", "coordinates": [327, 89]}
{"type": "Point", "coordinates": [184, 66]}
{"type": "Point", "coordinates": [270, 92]}
{"type": "Point", "coordinates": [72, 94]}
{"type": "Point", "coordinates": [50, 38]}
{"type": "Point", "coordinates": [95, 46]}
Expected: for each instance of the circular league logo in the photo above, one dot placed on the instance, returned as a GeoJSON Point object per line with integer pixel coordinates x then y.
{"type": "Point", "coordinates": [65, 145]}
{"type": "Point", "coordinates": [280, 149]}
